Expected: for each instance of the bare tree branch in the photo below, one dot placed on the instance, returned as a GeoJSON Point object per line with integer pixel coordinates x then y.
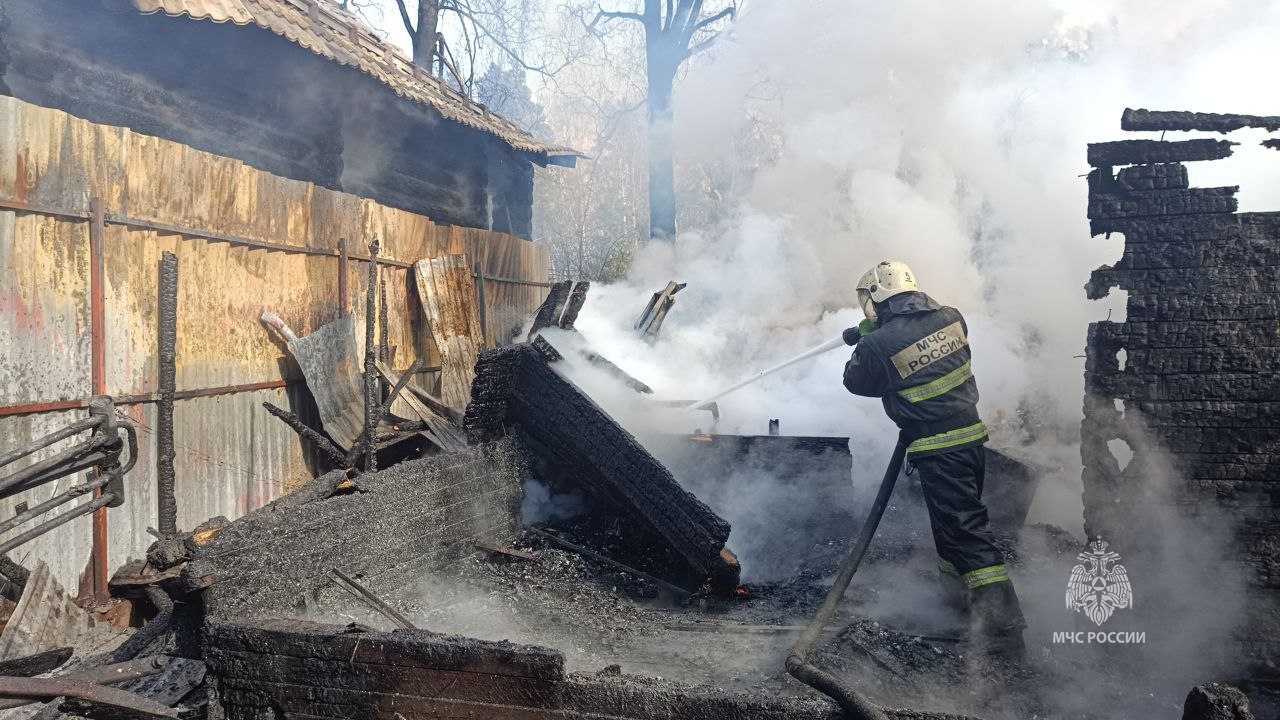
{"type": "Point", "coordinates": [612, 15]}
{"type": "Point", "coordinates": [405, 17]}
{"type": "Point", "coordinates": [729, 12]}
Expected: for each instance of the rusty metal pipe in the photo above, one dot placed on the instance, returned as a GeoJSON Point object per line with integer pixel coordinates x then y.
{"type": "Point", "coordinates": [49, 439]}
{"type": "Point", "coordinates": [98, 373]}
{"type": "Point", "coordinates": [68, 495]}
{"type": "Point", "coordinates": [49, 464]}
{"type": "Point", "coordinates": [166, 499]}
{"type": "Point", "coordinates": [113, 674]}
{"type": "Point", "coordinates": [91, 461]}
{"type": "Point", "coordinates": [98, 503]}
{"type": "Point", "coordinates": [45, 688]}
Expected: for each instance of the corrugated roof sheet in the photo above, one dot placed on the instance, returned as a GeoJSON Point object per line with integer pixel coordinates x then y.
{"type": "Point", "coordinates": [333, 33]}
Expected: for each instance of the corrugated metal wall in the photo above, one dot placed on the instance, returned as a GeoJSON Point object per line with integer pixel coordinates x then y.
{"type": "Point", "coordinates": [231, 456]}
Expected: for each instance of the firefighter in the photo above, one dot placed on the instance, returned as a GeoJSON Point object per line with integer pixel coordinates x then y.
{"type": "Point", "coordinates": [913, 354]}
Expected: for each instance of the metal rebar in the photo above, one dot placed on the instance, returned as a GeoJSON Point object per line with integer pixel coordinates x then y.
{"type": "Point", "coordinates": [166, 500]}
{"type": "Point", "coordinates": [320, 441]}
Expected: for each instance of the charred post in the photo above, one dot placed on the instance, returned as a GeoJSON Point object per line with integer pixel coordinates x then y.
{"type": "Point", "coordinates": [165, 483]}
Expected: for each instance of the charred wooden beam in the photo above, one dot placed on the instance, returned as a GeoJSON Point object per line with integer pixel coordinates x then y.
{"type": "Point", "coordinates": [549, 312]}
{"type": "Point", "coordinates": [573, 306]}
{"type": "Point", "coordinates": [320, 441]}
{"type": "Point", "coordinates": [650, 321]}
{"type": "Point", "coordinates": [166, 498]}
{"type": "Point", "coordinates": [574, 440]}
{"type": "Point", "coordinates": [1180, 120]}
{"type": "Point", "coordinates": [1145, 152]}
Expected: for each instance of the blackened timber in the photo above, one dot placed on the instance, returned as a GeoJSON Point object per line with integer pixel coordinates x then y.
{"type": "Point", "coordinates": [1150, 203]}
{"type": "Point", "coordinates": [1181, 120]}
{"type": "Point", "coordinates": [1146, 152]}
{"type": "Point", "coordinates": [573, 306]}
{"type": "Point", "coordinates": [548, 314]}
{"type": "Point", "coordinates": [167, 503]}
{"type": "Point", "coordinates": [577, 442]}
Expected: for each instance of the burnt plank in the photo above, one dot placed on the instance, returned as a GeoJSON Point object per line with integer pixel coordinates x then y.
{"type": "Point", "coordinates": [1141, 119]}
{"type": "Point", "coordinates": [577, 442]}
{"type": "Point", "coordinates": [1146, 152]}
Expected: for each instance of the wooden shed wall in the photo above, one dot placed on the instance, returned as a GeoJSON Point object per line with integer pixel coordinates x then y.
{"type": "Point", "coordinates": [158, 196]}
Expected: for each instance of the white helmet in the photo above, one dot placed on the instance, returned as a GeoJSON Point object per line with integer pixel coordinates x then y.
{"type": "Point", "coordinates": [882, 282]}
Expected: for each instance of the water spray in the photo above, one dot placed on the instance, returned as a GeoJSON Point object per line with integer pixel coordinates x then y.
{"type": "Point", "coordinates": [829, 345]}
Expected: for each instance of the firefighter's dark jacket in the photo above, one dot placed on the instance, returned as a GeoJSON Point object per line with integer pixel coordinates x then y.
{"type": "Point", "coordinates": [917, 362]}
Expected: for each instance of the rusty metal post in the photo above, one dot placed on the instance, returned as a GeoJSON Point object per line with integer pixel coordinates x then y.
{"type": "Point", "coordinates": [98, 376]}
{"type": "Point", "coordinates": [344, 280]}
{"type": "Point", "coordinates": [484, 320]}
{"type": "Point", "coordinates": [166, 498]}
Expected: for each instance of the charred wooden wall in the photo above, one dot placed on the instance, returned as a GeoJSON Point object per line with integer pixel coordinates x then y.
{"type": "Point", "coordinates": [1191, 379]}
{"type": "Point", "coordinates": [243, 92]}
{"type": "Point", "coordinates": [304, 670]}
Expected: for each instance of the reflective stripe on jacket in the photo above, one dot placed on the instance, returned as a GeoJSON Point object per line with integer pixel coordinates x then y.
{"type": "Point", "coordinates": [918, 362]}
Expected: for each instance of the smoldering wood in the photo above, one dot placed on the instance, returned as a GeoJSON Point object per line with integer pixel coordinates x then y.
{"type": "Point", "coordinates": [655, 313]}
{"type": "Point", "coordinates": [552, 307]}
{"type": "Point", "coordinates": [1153, 120]}
{"type": "Point", "coordinates": [583, 350]}
{"type": "Point", "coordinates": [362, 593]}
{"type": "Point", "coordinates": [573, 305]}
{"type": "Point", "coordinates": [391, 527]}
{"type": "Point", "coordinates": [282, 664]}
{"type": "Point", "coordinates": [577, 442]}
{"type": "Point", "coordinates": [1143, 152]}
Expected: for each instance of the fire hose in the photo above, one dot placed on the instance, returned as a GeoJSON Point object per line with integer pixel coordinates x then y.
{"type": "Point", "coordinates": [798, 665]}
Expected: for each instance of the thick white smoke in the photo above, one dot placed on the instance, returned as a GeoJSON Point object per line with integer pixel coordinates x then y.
{"type": "Point", "coordinates": [950, 136]}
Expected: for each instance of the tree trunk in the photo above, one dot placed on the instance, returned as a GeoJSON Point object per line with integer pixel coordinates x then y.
{"type": "Point", "coordinates": [662, 180]}
{"type": "Point", "coordinates": [424, 37]}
